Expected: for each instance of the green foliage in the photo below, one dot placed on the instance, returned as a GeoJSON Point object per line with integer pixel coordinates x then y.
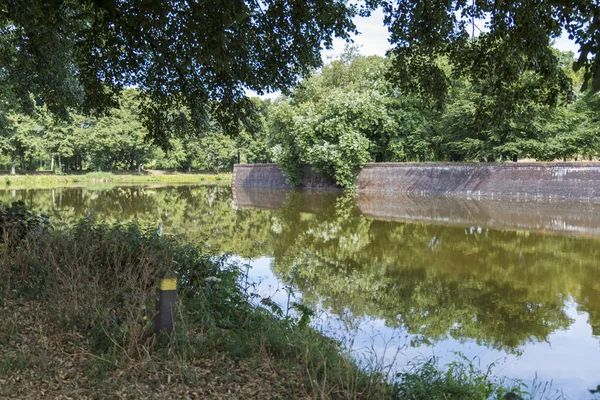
{"type": "Point", "coordinates": [286, 151]}
{"type": "Point", "coordinates": [199, 56]}
{"type": "Point", "coordinates": [336, 121]}
{"type": "Point", "coordinates": [426, 380]}
{"type": "Point", "coordinates": [17, 222]}
{"type": "Point", "coordinates": [490, 41]}
{"type": "Point", "coordinates": [352, 112]}
{"type": "Point", "coordinates": [120, 141]}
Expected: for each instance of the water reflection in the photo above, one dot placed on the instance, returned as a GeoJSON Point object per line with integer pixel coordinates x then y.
{"type": "Point", "coordinates": [507, 279]}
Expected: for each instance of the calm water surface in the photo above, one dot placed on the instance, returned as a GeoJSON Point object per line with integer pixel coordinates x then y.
{"type": "Point", "coordinates": [513, 283]}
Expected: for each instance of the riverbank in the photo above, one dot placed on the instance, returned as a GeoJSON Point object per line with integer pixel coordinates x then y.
{"type": "Point", "coordinates": [76, 319]}
{"type": "Point", "coordinates": [49, 180]}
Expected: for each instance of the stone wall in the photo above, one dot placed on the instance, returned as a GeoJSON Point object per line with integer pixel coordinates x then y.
{"type": "Point", "coordinates": [270, 176]}
{"type": "Point", "coordinates": [541, 180]}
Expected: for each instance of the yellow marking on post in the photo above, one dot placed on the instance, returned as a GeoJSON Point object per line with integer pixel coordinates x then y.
{"type": "Point", "coordinates": [168, 284]}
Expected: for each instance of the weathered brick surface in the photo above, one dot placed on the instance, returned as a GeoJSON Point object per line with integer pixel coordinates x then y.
{"type": "Point", "coordinates": [546, 180]}
{"type": "Point", "coordinates": [259, 176]}
{"type": "Point", "coordinates": [271, 176]}
{"type": "Point", "coordinates": [541, 180]}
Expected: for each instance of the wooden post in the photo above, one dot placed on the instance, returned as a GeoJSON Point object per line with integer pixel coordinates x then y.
{"type": "Point", "coordinates": [165, 319]}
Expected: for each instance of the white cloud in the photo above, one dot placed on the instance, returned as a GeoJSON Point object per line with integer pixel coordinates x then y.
{"type": "Point", "coordinates": [372, 38]}
{"type": "Point", "coordinates": [563, 43]}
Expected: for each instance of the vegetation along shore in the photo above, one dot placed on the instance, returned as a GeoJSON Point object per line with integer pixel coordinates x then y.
{"type": "Point", "coordinates": [41, 180]}
{"type": "Point", "coordinates": [76, 316]}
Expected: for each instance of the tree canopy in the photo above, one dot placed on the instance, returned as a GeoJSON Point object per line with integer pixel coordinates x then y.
{"type": "Point", "coordinates": [204, 55]}
{"type": "Point", "coordinates": [512, 37]}
{"type": "Point", "coordinates": [201, 55]}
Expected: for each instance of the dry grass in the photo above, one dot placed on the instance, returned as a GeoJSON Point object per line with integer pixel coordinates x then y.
{"type": "Point", "coordinates": [77, 322]}
{"type": "Point", "coordinates": [50, 362]}
{"type": "Point", "coordinates": [50, 180]}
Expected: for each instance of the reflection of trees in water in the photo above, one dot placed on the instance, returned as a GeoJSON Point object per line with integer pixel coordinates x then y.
{"type": "Point", "coordinates": [202, 213]}
{"type": "Point", "coordinates": [501, 288]}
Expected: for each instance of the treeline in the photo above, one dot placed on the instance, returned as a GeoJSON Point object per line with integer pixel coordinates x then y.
{"type": "Point", "coordinates": [120, 141]}
{"type": "Point", "coordinates": [348, 114]}
{"type": "Point", "coordinates": [344, 115]}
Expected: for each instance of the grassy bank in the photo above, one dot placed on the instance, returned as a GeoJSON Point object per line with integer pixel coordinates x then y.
{"type": "Point", "coordinates": [76, 319]}
{"type": "Point", "coordinates": [46, 180]}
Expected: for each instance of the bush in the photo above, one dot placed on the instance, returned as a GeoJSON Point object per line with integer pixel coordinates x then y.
{"type": "Point", "coordinates": [16, 222]}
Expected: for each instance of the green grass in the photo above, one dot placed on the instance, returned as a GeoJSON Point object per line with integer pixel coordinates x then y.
{"type": "Point", "coordinates": [18, 362]}
{"type": "Point", "coordinates": [35, 180]}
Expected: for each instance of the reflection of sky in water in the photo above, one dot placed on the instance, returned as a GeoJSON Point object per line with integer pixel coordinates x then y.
{"type": "Point", "coordinates": [569, 360]}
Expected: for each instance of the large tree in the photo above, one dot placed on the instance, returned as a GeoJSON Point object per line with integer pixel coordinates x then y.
{"type": "Point", "coordinates": [512, 37]}
{"type": "Point", "coordinates": [202, 55]}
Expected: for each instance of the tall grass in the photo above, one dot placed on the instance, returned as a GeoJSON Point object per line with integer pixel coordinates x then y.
{"type": "Point", "coordinates": [99, 282]}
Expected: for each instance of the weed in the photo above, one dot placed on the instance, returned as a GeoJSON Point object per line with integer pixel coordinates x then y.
{"type": "Point", "coordinates": [99, 368]}
{"type": "Point", "coordinates": [427, 380]}
{"type": "Point", "coordinates": [15, 363]}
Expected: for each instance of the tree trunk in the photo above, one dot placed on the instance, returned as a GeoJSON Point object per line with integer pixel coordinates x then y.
{"type": "Point", "coordinates": [52, 162]}
{"type": "Point", "coordinates": [59, 164]}
{"type": "Point", "coordinates": [12, 167]}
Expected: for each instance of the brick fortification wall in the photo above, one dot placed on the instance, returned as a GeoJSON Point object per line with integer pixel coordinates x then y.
{"type": "Point", "coordinates": [546, 180]}
{"type": "Point", "coordinates": [270, 176]}
{"type": "Point", "coordinates": [542, 180]}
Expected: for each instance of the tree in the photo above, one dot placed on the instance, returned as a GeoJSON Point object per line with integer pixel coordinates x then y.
{"type": "Point", "coordinates": [513, 37]}
{"type": "Point", "coordinates": [337, 120]}
{"type": "Point", "coordinates": [201, 55]}
{"type": "Point", "coordinates": [119, 139]}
